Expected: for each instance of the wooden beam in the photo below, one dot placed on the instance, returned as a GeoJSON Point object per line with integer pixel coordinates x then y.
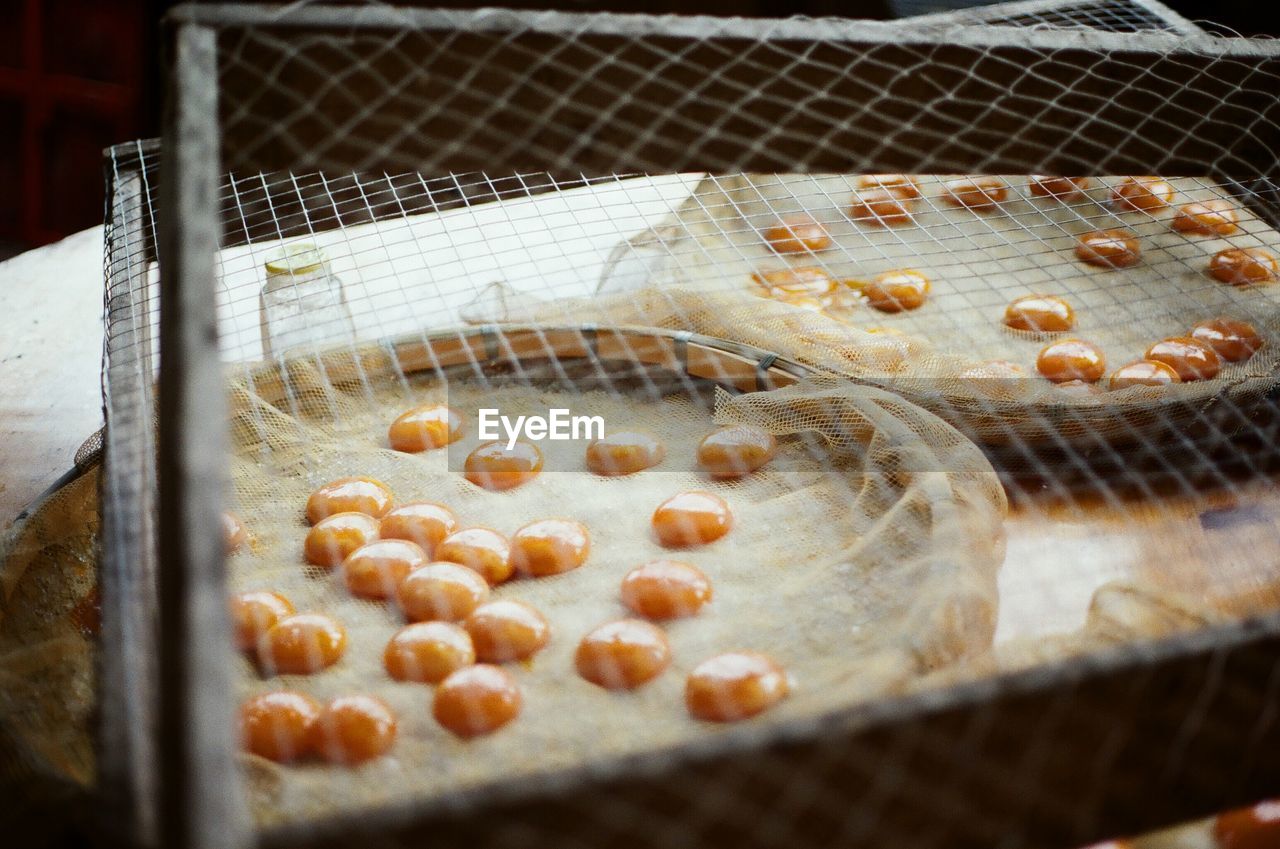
{"type": "Point", "coordinates": [200, 806]}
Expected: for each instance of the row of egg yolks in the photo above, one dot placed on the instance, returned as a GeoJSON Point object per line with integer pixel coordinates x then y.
{"type": "Point", "coordinates": [384, 554]}
{"type": "Point", "coordinates": [1178, 359]}
{"type": "Point", "coordinates": [725, 453]}
{"type": "Point", "coordinates": [884, 199]}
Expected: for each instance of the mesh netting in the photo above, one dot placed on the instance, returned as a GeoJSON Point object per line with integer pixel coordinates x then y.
{"type": "Point", "coordinates": [593, 172]}
{"type": "Point", "coordinates": [885, 498]}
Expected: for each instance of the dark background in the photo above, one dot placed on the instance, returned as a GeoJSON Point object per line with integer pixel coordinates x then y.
{"type": "Point", "coordinates": [79, 75]}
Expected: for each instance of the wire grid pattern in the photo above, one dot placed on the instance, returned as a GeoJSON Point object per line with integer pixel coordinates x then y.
{"type": "Point", "coordinates": [415, 250]}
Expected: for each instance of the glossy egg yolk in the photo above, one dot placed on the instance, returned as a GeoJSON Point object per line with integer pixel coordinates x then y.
{"type": "Point", "coordinates": [788, 282]}
{"type": "Point", "coordinates": [375, 570]}
{"type": "Point", "coordinates": [1142, 194]}
{"type": "Point", "coordinates": [278, 726]}
{"type": "Point", "coordinates": [734, 686]}
{"type": "Point", "coordinates": [349, 495]}
{"type": "Point", "coordinates": [302, 644]}
{"type": "Point", "coordinates": [623, 655]}
{"type": "Point", "coordinates": [624, 453]}
{"type": "Point", "coordinates": [482, 550]}
{"type": "Point", "coordinates": [896, 291]}
{"type": "Point", "coordinates": [549, 547]}
{"type": "Point", "coordinates": [495, 467]}
{"type": "Point", "coordinates": [428, 652]}
{"type": "Point", "coordinates": [883, 207]}
{"type": "Point", "coordinates": [1071, 359]}
{"type": "Point", "coordinates": [735, 451]}
{"type": "Point", "coordinates": [421, 522]}
{"type": "Point", "coordinates": [1242, 266]}
{"type": "Point", "coordinates": [1058, 188]}
{"type": "Point", "coordinates": [1143, 373]}
{"type": "Point", "coordinates": [255, 613]}
{"type": "Point", "coordinates": [903, 185]}
{"type": "Point", "coordinates": [332, 539]}
{"type": "Point", "coordinates": [234, 533]}
{"type": "Point", "coordinates": [1039, 314]}
{"type": "Point", "coordinates": [1249, 828]}
{"type": "Point", "coordinates": [353, 729]}
{"type": "Point", "coordinates": [476, 700]}
{"type": "Point", "coordinates": [424, 428]}
{"type": "Point", "coordinates": [983, 194]}
{"type": "Point", "coordinates": [503, 631]}
{"type": "Point", "coordinates": [1207, 218]}
{"type": "Point", "coordinates": [441, 591]}
{"type": "Point", "coordinates": [691, 518]}
{"type": "Point", "coordinates": [665, 589]}
{"type": "Point", "coordinates": [1191, 359]}
{"type": "Point", "coordinates": [797, 234]}
{"type": "Point", "coordinates": [1232, 340]}
{"type": "Point", "coordinates": [1109, 249]}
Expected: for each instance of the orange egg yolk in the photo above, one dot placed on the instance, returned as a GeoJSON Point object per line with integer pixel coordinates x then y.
{"type": "Point", "coordinates": [476, 700]}
{"type": "Point", "coordinates": [441, 591]}
{"type": "Point", "coordinates": [353, 729]}
{"type": "Point", "coordinates": [1071, 359]}
{"type": "Point", "coordinates": [1257, 827]}
{"type": "Point", "coordinates": [1232, 340]}
{"type": "Point", "coordinates": [1142, 194]}
{"type": "Point", "coordinates": [734, 686]}
{"type": "Point", "coordinates": [1143, 373]}
{"type": "Point", "coordinates": [735, 451]}
{"type": "Point", "coordinates": [1207, 218]}
{"type": "Point", "coordinates": [495, 467]}
{"type": "Point", "coordinates": [691, 518]}
{"type": "Point", "coordinates": [624, 453]}
{"type": "Point", "coordinates": [1039, 314]}
{"type": "Point", "coordinates": [255, 613]}
{"type": "Point", "coordinates": [903, 185]}
{"type": "Point", "coordinates": [1190, 358]}
{"type": "Point", "coordinates": [1109, 249]}
{"type": "Point", "coordinates": [896, 291]}
{"type": "Point", "coordinates": [375, 570]}
{"type": "Point", "coordinates": [623, 655]}
{"type": "Point", "coordinates": [332, 539]}
{"type": "Point", "coordinates": [482, 550]}
{"type": "Point", "coordinates": [425, 428]}
{"type": "Point", "coordinates": [420, 522]}
{"type": "Point", "coordinates": [883, 207]}
{"type": "Point", "coordinates": [278, 726]}
{"type": "Point", "coordinates": [666, 589]}
{"type": "Point", "coordinates": [302, 644]}
{"type": "Point", "coordinates": [1058, 188]}
{"type": "Point", "coordinates": [797, 234]}
{"type": "Point", "coordinates": [503, 631]}
{"type": "Point", "coordinates": [982, 194]}
{"type": "Point", "coordinates": [349, 495]}
{"type": "Point", "coordinates": [428, 652]}
{"type": "Point", "coordinates": [1242, 266]}
{"type": "Point", "coordinates": [549, 547]}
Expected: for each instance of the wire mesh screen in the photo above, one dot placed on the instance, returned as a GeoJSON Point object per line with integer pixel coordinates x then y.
{"type": "Point", "coordinates": [1011, 486]}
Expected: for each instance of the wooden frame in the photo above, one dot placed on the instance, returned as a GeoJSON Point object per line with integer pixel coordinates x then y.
{"type": "Point", "coordinates": [965, 739]}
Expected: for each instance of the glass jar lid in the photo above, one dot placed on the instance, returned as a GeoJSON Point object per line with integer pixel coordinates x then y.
{"type": "Point", "coordinates": [297, 258]}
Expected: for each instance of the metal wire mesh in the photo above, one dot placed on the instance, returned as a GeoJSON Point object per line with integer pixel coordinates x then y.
{"type": "Point", "coordinates": [589, 162]}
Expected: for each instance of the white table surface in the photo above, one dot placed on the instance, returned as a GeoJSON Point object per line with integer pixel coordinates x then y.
{"type": "Point", "coordinates": [50, 362]}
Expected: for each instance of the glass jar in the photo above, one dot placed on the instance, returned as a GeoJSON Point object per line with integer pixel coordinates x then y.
{"type": "Point", "coordinates": [302, 306]}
